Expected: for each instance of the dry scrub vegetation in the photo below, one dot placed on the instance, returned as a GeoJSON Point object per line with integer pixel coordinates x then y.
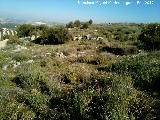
{"type": "Point", "coordinates": [107, 73]}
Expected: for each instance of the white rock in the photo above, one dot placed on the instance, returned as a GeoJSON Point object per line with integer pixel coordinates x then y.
{"type": "Point", "coordinates": [12, 32]}
{"type": "Point", "coordinates": [48, 53]}
{"type": "Point", "coordinates": [69, 29]}
{"type": "Point", "coordinates": [81, 54]}
{"type": "Point", "coordinates": [75, 38]}
{"type": "Point", "coordinates": [30, 61]}
{"type": "Point", "coordinates": [5, 67]}
{"type": "Point", "coordinates": [16, 64]}
{"type": "Point", "coordinates": [13, 61]}
{"type": "Point", "coordinates": [61, 55]}
{"type": "Point", "coordinates": [8, 32]}
{"type": "Point", "coordinates": [33, 37]}
{"type": "Point", "coordinates": [34, 56]}
{"type": "Point", "coordinates": [93, 38]}
{"type": "Point", "coordinates": [89, 36]}
{"type": "Point", "coordinates": [78, 37]}
{"type": "Point", "coordinates": [100, 38]}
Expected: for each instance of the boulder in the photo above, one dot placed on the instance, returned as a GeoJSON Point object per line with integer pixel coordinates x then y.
{"type": "Point", "coordinates": [60, 55]}
{"type": "Point", "coordinates": [78, 37]}
{"type": "Point", "coordinates": [88, 36]}
{"type": "Point", "coordinates": [33, 37]}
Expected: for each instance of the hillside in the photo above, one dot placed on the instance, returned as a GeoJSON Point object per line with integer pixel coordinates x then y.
{"type": "Point", "coordinates": [81, 72]}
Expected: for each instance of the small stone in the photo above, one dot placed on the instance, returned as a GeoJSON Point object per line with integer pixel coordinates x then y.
{"type": "Point", "coordinates": [30, 61]}
{"type": "Point", "coordinates": [16, 64]}
{"type": "Point", "coordinates": [5, 67]}
{"type": "Point", "coordinates": [48, 53]}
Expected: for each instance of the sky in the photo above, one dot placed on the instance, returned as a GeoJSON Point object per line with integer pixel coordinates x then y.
{"type": "Point", "coordinates": [69, 10]}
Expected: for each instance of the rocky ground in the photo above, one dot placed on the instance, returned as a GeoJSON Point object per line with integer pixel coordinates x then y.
{"type": "Point", "coordinates": [3, 43]}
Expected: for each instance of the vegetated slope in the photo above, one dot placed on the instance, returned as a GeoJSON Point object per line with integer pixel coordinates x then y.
{"type": "Point", "coordinates": [79, 80]}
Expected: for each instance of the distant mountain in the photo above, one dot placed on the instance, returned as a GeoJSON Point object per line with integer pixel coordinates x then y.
{"type": "Point", "coordinates": [12, 22]}
{"type": "Point", "coordinates": [8, 23]}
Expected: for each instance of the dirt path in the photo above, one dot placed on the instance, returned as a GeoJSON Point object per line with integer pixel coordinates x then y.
{"type": "Point", "coordinates": [3, 43]}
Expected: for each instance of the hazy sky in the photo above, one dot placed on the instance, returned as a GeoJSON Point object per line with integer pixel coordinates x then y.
{"type": "Point", "coordinates": [67, 10]}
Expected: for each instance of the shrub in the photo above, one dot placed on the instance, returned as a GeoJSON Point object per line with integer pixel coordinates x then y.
{"type": "Point", "coordinates": [54, 36]}
{"type": "Point", "coordinates": [6, 37]}
{"type": "Point", "coordinates": [70, 106]}
{"type": "Point", "coordinates": [112, 102]}
{"type": "Point", "coordinates": [14, 40]}
{"type": "Point", "coordinates": [145, 70]}
{"type": "Point", "coordinates": [31, 78]}
{"type": "Point", "coordinates": [90, 21]}
{"type": "Point", "coordinates": [20, 57]}
{"type": "Point", "coordinates": [37, 101]}
{"type": "Point", "coordinates": [70, 25]}
{"type": "Point", "coordinates": [85, 25]}
{"type": "Point", "coordinates": [150, 37]}
{"type": "Point", "coordinates": [95, 60]}
{"type": "Point", "coordinates": [77, 23]}
{"type": "Point", "coordinates": [3, 56]}
{"type": "Point", "coordinates": [10, 107]}
{"type": "Point", "coordinates": [84, 59]}
{"type": "Point", "coordinates": [15, 111]}
{"type": "Point", "coordinates": [25, 30]}
{"type": "Point", "coordinates": [120, 51]}
{"type": "Point", "coordinates": [42, 27]}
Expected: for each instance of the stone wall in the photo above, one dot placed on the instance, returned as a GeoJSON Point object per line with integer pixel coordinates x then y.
{"type": "Point", "coordinates": [5, 31]}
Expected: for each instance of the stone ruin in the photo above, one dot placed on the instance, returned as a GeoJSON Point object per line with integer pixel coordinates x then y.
{"type": "Point", "coordinates": [5, 31]}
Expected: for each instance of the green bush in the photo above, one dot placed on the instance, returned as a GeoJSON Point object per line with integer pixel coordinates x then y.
{"type": "Point", "coordinates": [95, 60]}
{"type": "Point", "coordinates": [119, 100]}
{"type": "Point", "coordinates": [37, 100]}
{"type": "Point", "coordinates": [42, 27]}
{"type": "Point", "coordinates": [10, 107]}
{"type": "Point", "coordinates": [15, 111]}
{"type": "Point", "coordinates": [14, 40]}
{"type": "Point", "coordinates": [6, 37]}
{"type": "Point", "coordinates": [85, 25]}
{"type": "Point", "coordinates": [30, 78]}
{"type": "Point", "coordinates": [3, 56]}
{"type": "Point", "coordinates": [70, 25]}
{"type": "Point", "coordinates": [90, 21]}
{"type": "Point", "coordinates": [68, 106]}
{"type": "Point", "coordinates": [77, 23]}
{"type": "Point", "coordinates": [145, 70]}
{"type": "Point", "coordinates": [20, 57]}
{"type": "Point", "coordinates": [57, 35]}
{"type": "Point", "coordinates": [24, 30]}
{"type": "Point", "coordinates": [150, 37]}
